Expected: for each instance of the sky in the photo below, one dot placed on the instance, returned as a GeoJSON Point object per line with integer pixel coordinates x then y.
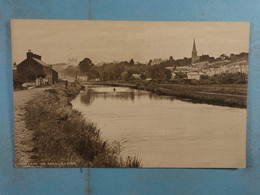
{"type": "Point", "coordinates": [106, 41]}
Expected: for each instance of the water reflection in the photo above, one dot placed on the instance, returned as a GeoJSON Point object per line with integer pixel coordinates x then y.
{"type": "Point", "coordinates": [91, 93]}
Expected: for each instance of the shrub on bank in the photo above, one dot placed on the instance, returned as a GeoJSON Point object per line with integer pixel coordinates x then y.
{"type": "Point", "coordinates": [213, 99]}
{"type": "Point", "coordinates": [62, 135]}
{"type": "Point", "coordinates": [198, 94]}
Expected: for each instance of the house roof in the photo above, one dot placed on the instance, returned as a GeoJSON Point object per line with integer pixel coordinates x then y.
{"type": "Point", "coordinates": [243, 62]}
{"type": "Point", "coordinates": [193, 73]}
{"type": "Point", "coordinates": [182, 67]}
{"type": "Point", "coordinates": [44, 64]}
{"type": "Point", "coordinates": [41, 62]}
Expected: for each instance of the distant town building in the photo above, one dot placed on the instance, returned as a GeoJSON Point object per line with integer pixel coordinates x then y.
{"type": "Point", "coordinates": [34, 70]}
{"type": "Point", "coordinates": [184, 69]}
{"type": "Point", "coordinates": [171, 68]}
{"type": "Point", "coordinates": [157, 61]}
{"type": "Point", "coordinates": [193, 75]}
{"type": "Point", "coordinates": [82, 77]}
{"type": "Point", "coordinates": [240, 66]}
{"type": "Point", "coordinates": [136, 76]}
{"type": "Point", "coordinates": [206, 65]}
{"type": "Point", "coordinates": [219, 63]}
{"type": "Point", "coordinates": [200, 64]}
{"type": "Point", "coordinates": [173, 75]}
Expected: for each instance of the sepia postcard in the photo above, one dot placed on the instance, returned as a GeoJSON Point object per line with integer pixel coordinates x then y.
{"type": "Point", "coordinates": [130, 94]}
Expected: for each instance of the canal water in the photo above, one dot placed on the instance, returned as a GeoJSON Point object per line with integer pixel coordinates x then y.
{"type": "Point", "coordinates": [166, 132]}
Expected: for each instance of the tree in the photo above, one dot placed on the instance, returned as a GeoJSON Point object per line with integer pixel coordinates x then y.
{"type": "Point", "coordinates": [104, 76]}
{"type": "Point", "coordinates": [93, 73]}
{"type": "Point", "coordinates": [150, 63]}
{"type": "Point", "coordinates": [142, 76]}
{"type": "Point", "coordinates": [168, 75]}
{"type": "Point", "coordinates": [126, 76]}
{"type": "Point", "coordinates": [85, 65]}
{"type": "Point", "coordinates": [159, 74]}
{"type": "Point", "coordinates": [223, 56]}
{"type": "Point", "coordinates": [132, 62]}
{"type": "Point", "coordinates": [171, 61]}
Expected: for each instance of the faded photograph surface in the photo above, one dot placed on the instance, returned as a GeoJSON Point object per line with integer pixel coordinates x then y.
{"type": "Point", "coordinates": [130, 94]}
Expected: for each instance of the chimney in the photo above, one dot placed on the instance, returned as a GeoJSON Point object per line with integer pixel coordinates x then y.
{"type": "Point", "coordinates": [29, 54]}
{"type": "Point", "coordinates": [37, 56]}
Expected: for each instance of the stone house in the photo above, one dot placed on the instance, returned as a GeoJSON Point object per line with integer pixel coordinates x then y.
{"type": "Point", "coordinates": [33, 69]}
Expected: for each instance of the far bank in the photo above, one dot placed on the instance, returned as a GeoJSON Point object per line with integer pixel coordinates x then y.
{"type": "Point", "coordinates": [231, 95]}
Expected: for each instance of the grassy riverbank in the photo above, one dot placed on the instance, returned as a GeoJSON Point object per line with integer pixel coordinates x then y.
{"type": "Point", "coordinates": [232, 95]}
{"type": "Point", "coordinates": [63, 137]}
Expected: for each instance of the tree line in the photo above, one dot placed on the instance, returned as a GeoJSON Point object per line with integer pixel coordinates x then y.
{"type": "Point", "coordinates": [124, 70]}
{"type": "Point", "coordinates": [130, 71]}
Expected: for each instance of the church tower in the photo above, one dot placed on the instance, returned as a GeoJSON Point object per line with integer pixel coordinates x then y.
{"type": "Point", "coordinates": [194, 57]}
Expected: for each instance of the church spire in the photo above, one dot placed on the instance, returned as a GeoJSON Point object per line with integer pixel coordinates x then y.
{"type": "Point", "coordinates": [194, 46]}
{"type": "Point", "coordinates": [194, 57]}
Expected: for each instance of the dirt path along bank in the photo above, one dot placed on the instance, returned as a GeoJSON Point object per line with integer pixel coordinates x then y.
{"type": "Point", "coordinates": [23, 136]}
